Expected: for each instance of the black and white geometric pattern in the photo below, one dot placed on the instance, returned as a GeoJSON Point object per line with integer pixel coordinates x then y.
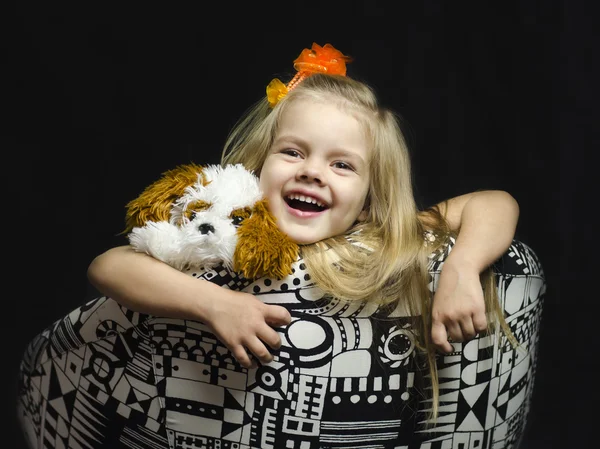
{"type": "Point", "coordinates": [346, 375]}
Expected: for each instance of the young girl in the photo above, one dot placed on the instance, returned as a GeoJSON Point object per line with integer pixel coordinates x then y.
{"type": "Point", "coordinates": [351, 339]}
{"type": "Point", "coordinates": [331, 142]}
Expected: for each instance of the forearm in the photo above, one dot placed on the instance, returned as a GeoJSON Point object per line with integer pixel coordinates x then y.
{"type": "Point", "coordinates": [144, 284]}
{"type": "Point", "coordinates": [486, 222]}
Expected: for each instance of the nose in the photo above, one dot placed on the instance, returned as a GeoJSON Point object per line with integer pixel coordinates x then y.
{"type": "Point", "coordinates": [310, 172]}
{"type": "Point", "coordinates": [205, 228]}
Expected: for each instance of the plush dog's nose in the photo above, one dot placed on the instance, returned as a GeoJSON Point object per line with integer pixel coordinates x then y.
{"type": "Point", "coordinates": [205, 228]}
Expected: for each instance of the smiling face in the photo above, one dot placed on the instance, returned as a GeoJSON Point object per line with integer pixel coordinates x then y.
{"type": "Point", "coordinates": [316, 175]}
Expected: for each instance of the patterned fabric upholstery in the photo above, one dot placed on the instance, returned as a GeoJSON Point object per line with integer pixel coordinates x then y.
{"type": "Point", "coordinates": [346, 376]}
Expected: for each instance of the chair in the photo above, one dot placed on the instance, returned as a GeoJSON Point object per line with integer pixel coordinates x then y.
{"type": "Point", "coordinates": [345, 376]}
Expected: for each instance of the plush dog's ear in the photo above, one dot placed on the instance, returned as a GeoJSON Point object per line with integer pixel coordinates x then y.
{"type": "Point", "coordinates": [262, 249]}
{"type": "Point", "coordinates": [154, 203]}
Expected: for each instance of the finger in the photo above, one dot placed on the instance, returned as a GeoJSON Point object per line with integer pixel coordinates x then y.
{"type": "Point", "coordinates": [241, 356]}
{"type": "Point", "coordinates": [454, 332]}
{"type": "Point", "coordinates": [445, 347]}
{"type": "Point", "coordinates": [467, 329]}
{"type": "Point", "coordinates": [277, 315]}
{"type": "Point", "coordinates": [270, 336]}
{"type": "Point", "coordinates": [479, 322]}
{"type": "Point", "coordinates": [439, 337]}
{"type": "Point", "coordinates": [260, 351]}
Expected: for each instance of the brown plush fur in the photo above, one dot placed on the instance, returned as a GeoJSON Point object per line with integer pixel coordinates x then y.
{"type": "Point", "coordinates": [154, 203]}
{"type": "Point", "coordinates": [262, 249]}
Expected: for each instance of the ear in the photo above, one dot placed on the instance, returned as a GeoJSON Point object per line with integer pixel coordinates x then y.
{"type": "Point", "coordinates": [154, 203]}
{"type": "Point", "coordinates": [363, 215]}
{"type": "Point", "coordinates": [262, 249]}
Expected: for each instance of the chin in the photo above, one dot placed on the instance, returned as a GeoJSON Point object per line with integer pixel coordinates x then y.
{"type": "Point", "coordinates": [302, 240]}
{"type": "Point", "coordinates": [305, 241]}
{"type": "Point", "coordinates": [302, 237]}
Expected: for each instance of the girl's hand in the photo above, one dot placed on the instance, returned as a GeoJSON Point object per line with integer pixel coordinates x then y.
{"type": "Point", "coordinates": [245, 324]}
{"type": "Point", "coordinates": [458, 312]}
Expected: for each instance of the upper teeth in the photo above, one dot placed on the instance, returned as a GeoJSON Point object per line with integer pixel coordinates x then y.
{"type": "Point", "coordinates": [306, 199]}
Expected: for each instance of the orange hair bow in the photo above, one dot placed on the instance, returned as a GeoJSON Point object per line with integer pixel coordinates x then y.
{"type": "Point", "coordinates": [317, 59]}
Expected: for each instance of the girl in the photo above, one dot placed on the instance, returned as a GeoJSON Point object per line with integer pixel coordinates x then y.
{"type": "Point", "coordinates": [366, 191]}
{"type": "Point", "coordinates": [359, 327]}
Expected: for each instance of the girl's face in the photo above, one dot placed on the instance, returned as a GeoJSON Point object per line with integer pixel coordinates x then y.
{"type": "Point", "coordinates": [316, 175]}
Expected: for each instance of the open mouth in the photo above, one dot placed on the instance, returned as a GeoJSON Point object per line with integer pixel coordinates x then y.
{"type": "Point", "coordinates": [304, 203]}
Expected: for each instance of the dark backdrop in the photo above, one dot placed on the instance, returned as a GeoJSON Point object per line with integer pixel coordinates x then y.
{"type": "Point", "coordinates": [494, 95]}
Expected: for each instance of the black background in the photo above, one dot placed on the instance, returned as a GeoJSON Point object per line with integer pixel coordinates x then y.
{"type": "Point", "coordinates": [494, 95]}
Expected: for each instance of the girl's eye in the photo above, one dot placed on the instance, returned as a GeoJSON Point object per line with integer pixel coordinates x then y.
{"type": "Point", "coordinates": [343, 165]}
{"type": "Point", "coordinates": [291, 152]}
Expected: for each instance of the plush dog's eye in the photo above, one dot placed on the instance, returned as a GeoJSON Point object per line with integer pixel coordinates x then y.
{"type": "Point", "coordinates": [194, 208]}
{"type": "Point", "coordinates": [239, 215]}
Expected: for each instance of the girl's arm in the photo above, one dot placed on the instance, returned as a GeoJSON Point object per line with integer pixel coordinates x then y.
{"type": "Point", "coordinates": [486, 222]}
{"type": "Point", "coordinates": [144, 284]}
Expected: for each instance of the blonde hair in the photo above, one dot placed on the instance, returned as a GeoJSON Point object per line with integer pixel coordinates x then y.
{"type": "Point", "coordinates": [384, 258]}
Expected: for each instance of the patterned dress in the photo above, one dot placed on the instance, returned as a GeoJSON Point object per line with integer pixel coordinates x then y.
{"type": "Point", "coordinates": [346, 375]}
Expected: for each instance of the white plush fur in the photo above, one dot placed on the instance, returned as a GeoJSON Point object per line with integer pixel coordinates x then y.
{"type": "Point", "coordinates": [179, 242]}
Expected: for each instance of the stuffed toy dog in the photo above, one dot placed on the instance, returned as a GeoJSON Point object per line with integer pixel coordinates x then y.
{"type": "Point", "coordinates": [203, 216]}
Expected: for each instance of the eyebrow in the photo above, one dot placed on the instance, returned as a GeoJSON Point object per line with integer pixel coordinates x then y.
{"type": "Point", "coordinates": [292, 139]}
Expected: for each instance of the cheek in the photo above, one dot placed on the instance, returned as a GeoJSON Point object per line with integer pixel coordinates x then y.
{"type": "Point", "coordinates": [358, 198]}
{"type": "Point", "coordinates": [365, 193]}
{"type": "Point", "coordinates": [263, 180]}
{"type": "Point", "coordinates": [267, 182]}
{"type": "Point", "coordinates": [261, 183]}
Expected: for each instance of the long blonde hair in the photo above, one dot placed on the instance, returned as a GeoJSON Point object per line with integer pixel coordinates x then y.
{"type": "Point", "coordinates": [384, 258]}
